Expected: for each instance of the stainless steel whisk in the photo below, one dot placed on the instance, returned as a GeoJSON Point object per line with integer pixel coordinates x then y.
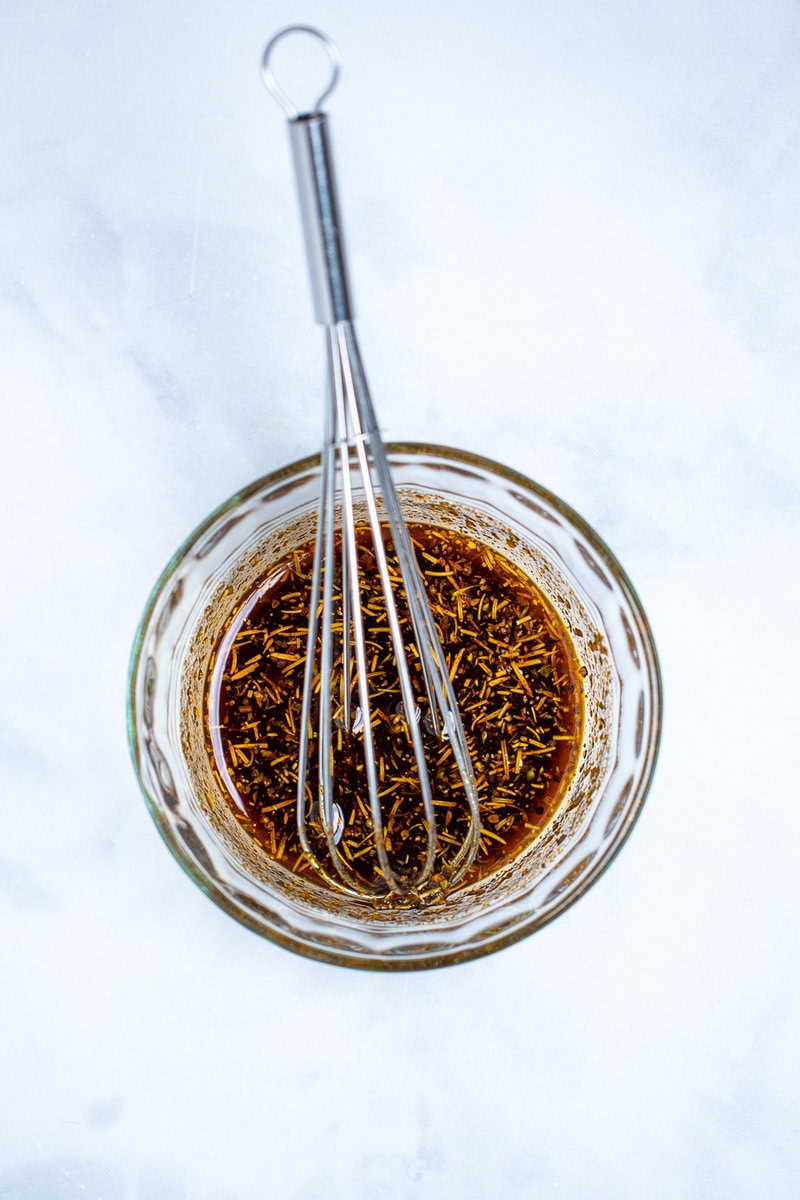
{"type": "Point", "coordinates": [355, 470]}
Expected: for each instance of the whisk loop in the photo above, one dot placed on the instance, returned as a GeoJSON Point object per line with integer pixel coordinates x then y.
{"type": "Point", "coordinates": [356, 474]}
{"type": "Point", "coordinates": [271, 83]}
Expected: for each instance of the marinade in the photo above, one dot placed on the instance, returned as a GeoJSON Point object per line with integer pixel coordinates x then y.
{"type": "Point", "coordinates": [515, 675]}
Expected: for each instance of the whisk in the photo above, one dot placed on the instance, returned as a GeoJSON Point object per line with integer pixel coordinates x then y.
{"type": "Point", "coordinates": [355, 472]}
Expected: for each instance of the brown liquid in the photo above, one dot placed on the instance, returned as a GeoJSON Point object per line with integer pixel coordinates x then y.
{"type": "Point", "coordinates": [516, 679]}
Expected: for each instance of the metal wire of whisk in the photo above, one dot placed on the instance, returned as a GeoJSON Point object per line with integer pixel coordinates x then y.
{"type": "Point", "coordinates": [355, 474]}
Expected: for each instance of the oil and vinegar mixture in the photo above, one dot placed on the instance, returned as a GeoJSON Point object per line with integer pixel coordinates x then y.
{"type": "Point", "coordinates": [516, 678]}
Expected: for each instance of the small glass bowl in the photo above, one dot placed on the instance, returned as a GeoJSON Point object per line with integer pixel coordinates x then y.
{"type": "Point", "coordinates": [216, 569]}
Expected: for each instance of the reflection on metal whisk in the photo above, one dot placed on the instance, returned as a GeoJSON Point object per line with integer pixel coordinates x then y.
{"type": "Point", "coordinates": [356, 475]}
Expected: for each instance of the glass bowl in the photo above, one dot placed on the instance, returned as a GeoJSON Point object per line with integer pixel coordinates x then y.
{"type": "Point", "coordinates": [216, 569]}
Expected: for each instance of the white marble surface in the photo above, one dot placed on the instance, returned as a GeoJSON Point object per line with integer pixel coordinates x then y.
{"type": "Point", "coordinates": [574, 238]}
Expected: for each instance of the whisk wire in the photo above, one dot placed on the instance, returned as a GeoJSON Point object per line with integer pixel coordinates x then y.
{"type": "Point", "coordinates": [359, 424]}
{"type": "Point", "coordinates": [443, 708]}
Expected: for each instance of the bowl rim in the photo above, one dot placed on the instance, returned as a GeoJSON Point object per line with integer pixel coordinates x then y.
{"type": "Point", "coordinates": [493, 942]}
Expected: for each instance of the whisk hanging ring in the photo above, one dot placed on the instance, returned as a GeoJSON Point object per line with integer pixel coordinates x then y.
{"type": "Point", "coordinates": [272, 85]}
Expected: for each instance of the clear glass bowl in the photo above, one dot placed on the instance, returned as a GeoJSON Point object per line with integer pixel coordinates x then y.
{"type": "Point", "coordinates": [217, 567]}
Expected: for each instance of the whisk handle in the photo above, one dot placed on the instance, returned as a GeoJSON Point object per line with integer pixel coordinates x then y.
{"type": "Point", "coordinates": [322, 223]}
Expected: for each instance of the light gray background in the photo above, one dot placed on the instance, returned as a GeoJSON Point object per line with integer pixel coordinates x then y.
{"type": "Point", "coordinates": [574, 236]}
